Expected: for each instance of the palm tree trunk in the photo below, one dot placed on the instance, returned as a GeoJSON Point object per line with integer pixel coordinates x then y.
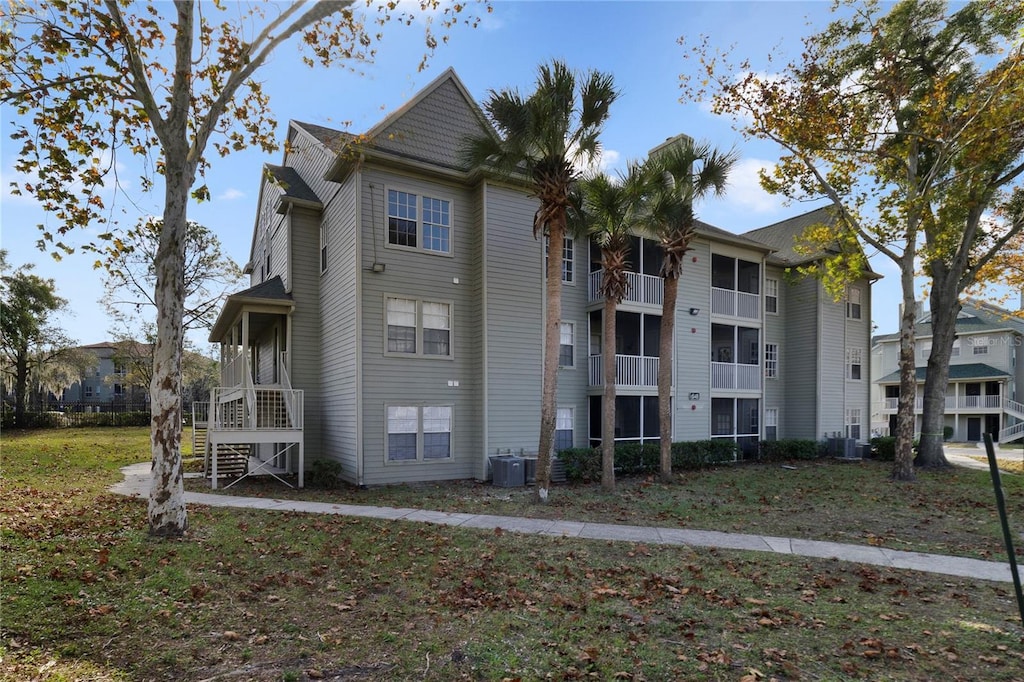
{"type": "Point", "coordinates": [668, 323]}
{"type": "Point", "coordinates": [552, 341]}
{"type": "Point", "coordinates": [608, 405]}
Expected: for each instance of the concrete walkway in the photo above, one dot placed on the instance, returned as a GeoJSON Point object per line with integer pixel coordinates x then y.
{"type": "Point", "coordinates": [136, 484]}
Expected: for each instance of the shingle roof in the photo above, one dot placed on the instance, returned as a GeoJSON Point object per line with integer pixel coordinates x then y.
{"type": "Point", "coordinates": [293, 186]}
{"type": "Point", "coordinates": [976, 370]}
{"type": "Point", "coordinates": [976, 317]}
{"type": "Point", "coordinates": [782, 236]}
{"type": "Point", "coordinates": [272, 290]}
{"type": "Point", "coordinates": [709, 230]}
{"type": "Point", "coordinates": [333, 139]}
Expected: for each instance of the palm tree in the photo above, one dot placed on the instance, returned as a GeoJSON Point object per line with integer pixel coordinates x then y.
{"type": "Point", "coordinates": [678, 173]}
{"type": "Point", "coordinates": [607, 210]}
{"type": "Point", "coordinates": [547, 137]}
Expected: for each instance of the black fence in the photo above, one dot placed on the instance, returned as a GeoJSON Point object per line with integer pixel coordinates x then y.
{"type": "Point", "coordinates": [77, 414]}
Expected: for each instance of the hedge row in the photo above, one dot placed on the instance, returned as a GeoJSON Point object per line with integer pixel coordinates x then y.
{"type": "Point", "coordinates": [584, 464]}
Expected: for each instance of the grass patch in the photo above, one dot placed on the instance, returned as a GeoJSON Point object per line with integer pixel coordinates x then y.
{"type": "Point", "coordinates": [259, 595]}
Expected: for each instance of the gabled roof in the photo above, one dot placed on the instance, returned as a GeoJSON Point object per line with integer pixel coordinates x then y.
{"type": "Point", "coordinates": [718, 234]}
{"type": "Point", "coordinates": [976, 317]}
{"type": "Point", "coordinates": [975, 370]}
{"type": "Point", "coordinates": [270, 292]}
{"type": "Point", "coordinates": [784, 236]}
{"type": "Point", "coordinates": [294, 189]}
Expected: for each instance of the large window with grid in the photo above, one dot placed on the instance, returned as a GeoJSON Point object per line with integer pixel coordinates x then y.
{"type": "Point", "coordinates": [568, 259]}
{"type": "Point", "coordinates": [417, 327]}
{"type": "Point", "coordinates": [853, 303]}
{"type": "Point", "coordinates": [771, 296]}
{"type": "Point", "coordinates": [419, 433]}
{"type": "Point", "coordinates": [419, 222]}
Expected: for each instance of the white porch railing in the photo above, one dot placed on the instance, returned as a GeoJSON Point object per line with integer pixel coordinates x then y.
{"type": "Point", "coordinates": [964, 402]}
{"type": "Point", "coordinates": [1012, 433]}
{"type": "Point", "coordinates": [644, 289]}
{"type": "Point", "coordinates": [727, 375]}
{"type": "Point", "coordinates": [235, 371]}
{"type": "Point", "coordinates": [256, 409]}
{"type": "Point", "coordinates": [735, 303]}
{"type": "Point", "coordinates": [631, 371]}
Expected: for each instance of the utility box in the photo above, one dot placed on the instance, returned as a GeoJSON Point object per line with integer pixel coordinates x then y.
{"type": "Point", "coordinates": [508, 471]}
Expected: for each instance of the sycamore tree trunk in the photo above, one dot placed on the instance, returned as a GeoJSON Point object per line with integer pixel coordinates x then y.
{"type": "Point", "coordinates": [608, 405]}
{"type": "Point", "coordinates": [552, 341]}
{"type": "Point", "coordinates": [668, 325]}
{"type": "Point", "coordinates": [945, 306]}
{"type": "Point", "coordinates": [167, 513]}
{"type": "Point", "coordinates": [903, 466]}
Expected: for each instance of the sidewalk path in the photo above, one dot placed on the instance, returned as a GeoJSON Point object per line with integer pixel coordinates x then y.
{"type": "Point", "coordinates": [136, 484]}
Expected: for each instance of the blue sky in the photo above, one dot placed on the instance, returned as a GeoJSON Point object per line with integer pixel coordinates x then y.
{"type": "Point", "coordinates": [635, 41]}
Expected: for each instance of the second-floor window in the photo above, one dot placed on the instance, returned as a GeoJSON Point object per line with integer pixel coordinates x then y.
{"type": "Point", "coordinates": [568, 258]}
{"type": "Point", "coordinates": [419, 222]}
{"type": "Point", "coordinates": [771, 361]}
{"type": "Point", "coordinates": [853, 305]}
{"type": "Point", "coordinates": [567, 345]}
{"type": "Point", "coordinates": [771, 296]}
{"type": "Point", "coordinates": [418, 327]}
{"type": "Point", "coordinates": [854, 363]}
{"type": "Point", "coordinates": [980, 345]}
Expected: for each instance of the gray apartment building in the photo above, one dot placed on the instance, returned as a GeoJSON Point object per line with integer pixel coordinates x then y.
{"type": "Point", "coordinates": [394, 322]}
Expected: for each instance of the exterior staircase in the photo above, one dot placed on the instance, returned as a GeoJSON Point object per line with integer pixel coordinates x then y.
{"type": "Point", "coordinates": [232, 460]}
{"type": "Point", "coordinates": [1014, 431]}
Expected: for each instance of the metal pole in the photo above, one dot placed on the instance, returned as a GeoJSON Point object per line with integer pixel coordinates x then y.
{"type": "Point", "coordinates": [1007, 537]}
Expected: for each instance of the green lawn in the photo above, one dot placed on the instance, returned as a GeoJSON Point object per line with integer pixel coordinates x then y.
{"type": "Point", "coordinates": [252, 595]}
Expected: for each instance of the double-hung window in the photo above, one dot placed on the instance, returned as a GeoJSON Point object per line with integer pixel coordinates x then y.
{"type": "Point", "coordinates": [417, 327]}
{"type": "Point", "coordinates": [567, 345]}
{"type": "Point", "coordinates": [771, 296]}
{"type": "Point", "coordinates": [771, 361]}
{"type": "Point", "coordinates": [419, 222]}
{"type": "Point", "coordinates": [568, 258]}
{"type": "Point", "coordinates": [563, 428]}
{"type": "Point", "coordinates": [853, 303]}
{"type": "Point", "coordinates": [853, 423]}
{"type": "Point", "coordinates": [419, 433]}
{"type": "Point", "coordinates": [854, 364]}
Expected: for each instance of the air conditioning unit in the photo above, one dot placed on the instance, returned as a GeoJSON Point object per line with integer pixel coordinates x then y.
{"type": "Point", "coordinates": [508, 471]}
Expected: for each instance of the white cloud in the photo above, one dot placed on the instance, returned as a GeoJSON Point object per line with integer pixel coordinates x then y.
{"type": "Point", "coordinates": [230, 194]}
{"type": "Point", "coordinates": [745, 190]}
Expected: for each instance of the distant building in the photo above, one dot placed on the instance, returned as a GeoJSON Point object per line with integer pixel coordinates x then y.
{"type": "Point", "coordinates": [108, 385]}
{"type": "Point", "coordinates": [986, 375]}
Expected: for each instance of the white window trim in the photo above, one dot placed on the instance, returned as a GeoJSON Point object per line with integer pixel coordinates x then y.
{"type": "Point", "coordinates": [323, 247]}
{"type": "Point", "coordinates": [419, 222]}
{"type": "Point", "coordinates": [419, 328]}
{"type": "Point", "coordinates": [853, 418]}
{"type": "Point", "coordinates": [771, 371]}
{"type": "Point", "coordinates": [572, 326]}
{"type": "Point", "coordinates": [854, 356]}
{"type": "Point", "coordinates": [854, 297]}
{"type": "Point", "coordinates": [979, 345]}
{"type": "Point", "coordinates": [572, 259]}
{"type": "Point", "coordinates": [419, 434]}
{"type": "Point", "coordinates": [572, 422]}
{"type": "Point", "coordinates": [771, 284]}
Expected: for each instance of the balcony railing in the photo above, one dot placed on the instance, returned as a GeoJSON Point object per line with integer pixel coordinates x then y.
{"type": "Point", "coordinates": [727, 375]}
{"type": "Point", "coordinates": [735, 303]}
{"type": "Point", "coordinates": [631, 371]}
{"type": "Point", "coordinates": [963, 402]}
{"type": "Point", "coordinates": [256, 409]}
{"type": "Point", "coordinates": [644, 289]}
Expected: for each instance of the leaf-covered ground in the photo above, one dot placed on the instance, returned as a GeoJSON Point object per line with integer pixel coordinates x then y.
{"type": "Point", "coordinates": [251, 595]}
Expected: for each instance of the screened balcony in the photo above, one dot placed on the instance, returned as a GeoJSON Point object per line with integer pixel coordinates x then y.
{"type": "Point", "coordinates": [636, 346]}
{"type": "Point", "coordinates": [735, 287]}
{"type": "Point", "coordinates": [735, 358]}
{"type": "Point", "coordinates": [644, 273]}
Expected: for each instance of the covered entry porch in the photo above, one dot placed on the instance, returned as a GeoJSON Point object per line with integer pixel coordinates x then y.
{"type": "Point", "coordinates": [253, 423]}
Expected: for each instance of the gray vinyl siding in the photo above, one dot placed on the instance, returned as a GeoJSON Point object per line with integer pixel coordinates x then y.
{"type": "Point", "coordinates": [573, 382]}
{"type": "Point", "coordinates": [799, 359]}
{"type": "Point", "coordinates": [419, 381]}
{"type": "Point", "coordinates": [338, 324]}
{"type": "Point", "coordinates": [417, 134]}
{"type": "Point", "coordinates": [305, 322]}
{"type": "Point", "coordinates": [1017, 368]}
{"type": "Point", "coordinates": [858, 334]}
{"type": "Point", "coordinates": [833, 385]}
{"type": "Point", "coordinates": [775, 332]}
{"type": "Point", "coordinates": [692, 349]}
{"type": "Point", "coordinates": [514, 326]}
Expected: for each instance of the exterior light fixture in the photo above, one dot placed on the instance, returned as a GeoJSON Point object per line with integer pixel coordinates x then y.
{"type": "Point", "coordinates": [695, 311]}
{"type": "Point", "coordinates": [378, 267]}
